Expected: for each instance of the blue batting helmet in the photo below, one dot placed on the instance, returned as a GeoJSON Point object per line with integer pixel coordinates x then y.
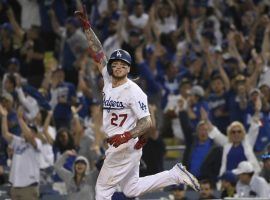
{"type": "Point", "coordinates": [118, 54]}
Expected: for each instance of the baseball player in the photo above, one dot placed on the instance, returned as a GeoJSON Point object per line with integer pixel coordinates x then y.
{"type": "Point", "coordinates": [126, 119]}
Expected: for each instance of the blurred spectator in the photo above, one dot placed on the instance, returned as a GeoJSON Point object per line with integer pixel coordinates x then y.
{"type": "Point", "coordinates": [13, 66]}
{"type": "Point", "coordinates": [228, 184]}
{"type": "Point", "coordinates": [207, 190]}
{"type": "Point", "coordinates": [46, 134]}
{"type": "Point", "coordinates": [26, 153]}
{"type": "Point", "coordinates": [30, 14]}
{"type": "Point", "coordinates": [8, 49]}
{"type": "Point", "coordinates": [7, 102]}
{"type": "Point", "coordinates": [263, 138]}
{"type": "Point", "coordinates": [29, 103]}
{"type": "Point", "coordinates": [231, 66]}
{"type": "Point", "coordinates": [139, 18]}
{"type": "Point", "coordinates": [9, 84]}
{"type": "Point", "coordinates": [61, 9]}
{"type": "Point", "coordinates": [177, 192]}
{"type": "Point", "coordinates": [163, 17]}
{"type": "Point", "coordinates": [73, 45]}
{"type": "Point", "coordinates": [265, 173]}
{"type": "Point", "coordinates": [249, 184]}
{"type": "Point", "coordinates": [62, 96]}
{"type": "Point", "coordinates": [241, 147]}
{"type": "Point", "coordinates": [86, 98]}
{"type": "Point", "coordinates": [196, 70]}
{"type": "Point", "coordinates": [84, 138]}
{"type": "Point", "coordinates": [112, 41]}
{"type": "Point", "coordinates": [145, 57]}
{"type": "Point", "coordinates": [22, 93]}
{"type": "Point", "coordinates": [195, 103]}
{"type": "Point", "coordinates": [134, 40]}
{"type": "Point", "coordinates": [108, 12]}
{"type": "Point", "coordinates": [169, 81]}
{"type": "Point", "coordinates": [202, 155]}
{"type": "Point", "coordinates": [265, 90]}
{"type": "Point", "coordinates": [238, 146]}
{"type": "Point", "coordinates": [176, 102]}
{"type": "Point", "coordinates": [218, 100]}
{"type": "Point", "coordinates": [238, 100]}
{"type": "Point", "coordinates": [32, 52]}
{"type": "Point", "coordinates": [64, 141]}
{"type": "Point", "coordinates": [80, 182]}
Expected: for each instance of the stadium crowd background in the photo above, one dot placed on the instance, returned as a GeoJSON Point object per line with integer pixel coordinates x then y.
{"type": "Point", "coordinates": [203, 64]}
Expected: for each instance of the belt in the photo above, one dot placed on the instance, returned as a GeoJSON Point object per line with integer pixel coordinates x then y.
{"type": "Point", "coordinates": [31, 185]}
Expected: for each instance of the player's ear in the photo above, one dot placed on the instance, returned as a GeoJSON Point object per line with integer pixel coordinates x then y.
{"type": "Point", "coordinates": [128, 69]}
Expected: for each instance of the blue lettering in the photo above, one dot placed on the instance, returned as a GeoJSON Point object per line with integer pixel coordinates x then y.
{"type": "Point", "coordinates": [110, 104]}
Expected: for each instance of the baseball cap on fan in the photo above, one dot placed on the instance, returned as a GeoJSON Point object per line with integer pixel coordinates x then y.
{"type": "Point", "coordinates": [14, 61]}
{"type": "Point", "coordinates": [81, 159]}
{"type": "Point", "coordinates": [228, 176]}
{"type": "Point", "coordinates": [197, 90]}
{"type": "Point", "coordinates": [265, 157]}
{"type": "Point", "coordinates": [243, 167]}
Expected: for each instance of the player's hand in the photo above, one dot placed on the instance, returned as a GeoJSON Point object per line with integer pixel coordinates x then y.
{"type": "Point", "coordinates": [119, 139]}
{"type": "Point", "coordinates": [82, 16]}
{"type": "Point", "coordinates": [141, 142]}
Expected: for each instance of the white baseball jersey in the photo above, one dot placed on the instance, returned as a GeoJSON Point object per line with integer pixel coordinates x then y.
{"type": "Point", "coordinates": [25, 162]}
{"type": "Point", "coordinates": [122, 105]}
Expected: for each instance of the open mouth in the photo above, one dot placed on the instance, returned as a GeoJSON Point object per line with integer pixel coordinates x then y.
{"type": "Point", "coordinates": [118, 70]}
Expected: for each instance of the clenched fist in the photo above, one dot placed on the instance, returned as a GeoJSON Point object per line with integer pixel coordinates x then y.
{"type": "Point", "coordinates": [141, 142]}
{"type": "Point", "coordinates": [119, 139]}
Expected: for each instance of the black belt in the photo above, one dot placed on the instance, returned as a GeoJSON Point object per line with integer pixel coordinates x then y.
{"type": "Point", "coordinates": [31, 185]}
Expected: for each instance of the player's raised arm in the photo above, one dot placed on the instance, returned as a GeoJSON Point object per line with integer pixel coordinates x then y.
{"type": "Point", "coordinates": [95, 47]}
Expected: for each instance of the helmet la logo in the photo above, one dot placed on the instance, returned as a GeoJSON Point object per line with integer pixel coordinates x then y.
{"type": "Point", "coordinates": [118, 54]}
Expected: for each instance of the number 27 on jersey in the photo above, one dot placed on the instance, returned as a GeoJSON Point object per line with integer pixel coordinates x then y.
{"type": "Point", "coordinates": [118, 120]}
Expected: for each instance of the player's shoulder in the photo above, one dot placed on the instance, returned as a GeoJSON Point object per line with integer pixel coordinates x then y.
{"type": "Point", "coordinates": [134, 86]}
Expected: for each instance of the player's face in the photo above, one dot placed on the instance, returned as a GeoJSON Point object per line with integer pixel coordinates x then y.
{"type": "Point", "coordinates": [120, 69]}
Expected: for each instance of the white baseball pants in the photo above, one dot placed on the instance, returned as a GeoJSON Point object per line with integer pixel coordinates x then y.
{"type": "Point", "coordinates": [121, 167]}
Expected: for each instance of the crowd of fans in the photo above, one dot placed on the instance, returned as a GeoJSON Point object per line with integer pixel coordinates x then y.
{"type": "Point", "coordinates": [204, 65]}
